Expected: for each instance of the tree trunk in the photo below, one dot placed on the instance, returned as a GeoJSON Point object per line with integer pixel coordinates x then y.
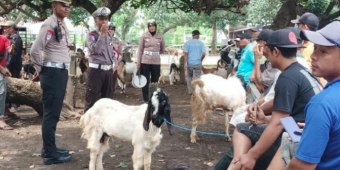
{"type": "Point", "coordinates": [213, 42]}
{"type": "Point", "coordinates": [169, 28]}
{"type": "Point", "coordinates": [20, 15]}
{"type": "Point", "coordinates": [286, 13]}
{"type": "Point", "coordinates": [27, 92]}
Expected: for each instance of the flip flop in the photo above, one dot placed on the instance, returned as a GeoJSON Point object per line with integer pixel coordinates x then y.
{"type": "Point", "coordinates": [6, 127]}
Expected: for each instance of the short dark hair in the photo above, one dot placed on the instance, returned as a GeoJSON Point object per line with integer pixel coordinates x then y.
{"type": "Point", "coordinates": [286, 52]}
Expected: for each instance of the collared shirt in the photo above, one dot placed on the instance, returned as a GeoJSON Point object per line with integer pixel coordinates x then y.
{"type": "Point", "coordinates": [14, 61]}
{"type": "Point", "coordinates": [46, 48]}
{"type": "Point", "coordinates": [195, 49]}
{"type": "Point", "coordinates": [247, 62]}
{"type": "Point", "coordinates": [118, 48]}
{"type": "Point", "coordinates": [150, 43]}
{"type": "Point", "coordinates": [4, 45]}
{"type": "Point", "coordinates": [268, 76]}
{"type": "Point", "coordinates": [100, 48]}
{"type": "Point", "coordinates": [322, 130]}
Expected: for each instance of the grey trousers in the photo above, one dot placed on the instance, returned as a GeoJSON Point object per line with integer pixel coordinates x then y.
{"type": "Point", "coordinates": [3, 91]}
{"type": "Point", "coordinates": [190, 74]}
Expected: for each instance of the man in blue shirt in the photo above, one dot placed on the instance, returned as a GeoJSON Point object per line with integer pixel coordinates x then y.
{"type": "Point", "coordinates": [246, 65]}
{"type": "Point", "coordinates": [194, 53]}
{"type": "Point", "coordinates": [320, 147]}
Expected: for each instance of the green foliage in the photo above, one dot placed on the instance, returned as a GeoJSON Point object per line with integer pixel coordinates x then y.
{"type": "Point", "coordinates": [261, 11]}
{"type": "Point", "coordinates": [317, 7]}
{"type": "Point", "coordinates": [79, 16]}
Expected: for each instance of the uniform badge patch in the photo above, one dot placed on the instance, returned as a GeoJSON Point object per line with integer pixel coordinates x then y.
{"type": "Point", "coordinates": [49, 34]}
{"type": "Point", "coordinates": [92, 37]}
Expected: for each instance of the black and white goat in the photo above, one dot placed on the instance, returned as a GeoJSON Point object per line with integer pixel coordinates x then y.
{"type": "Point", "coordinates": [173, 74]}
{"type": "Point", "coordinates": [137, 124]}
{"type": "Point", "coordinates": [123, 69]}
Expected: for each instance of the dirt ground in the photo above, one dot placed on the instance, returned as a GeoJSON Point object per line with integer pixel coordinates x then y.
{"type": "Point", "coordinates": [21, 147]}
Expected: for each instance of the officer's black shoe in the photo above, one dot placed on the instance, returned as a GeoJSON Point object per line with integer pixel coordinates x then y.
{"type": "Point", "coordinates": [61, 151]}
{"type": "Point", "coordinates": [56, 158]}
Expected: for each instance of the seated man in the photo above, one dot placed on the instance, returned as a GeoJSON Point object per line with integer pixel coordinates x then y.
{"type": "Point", "coordinates": [322, 111]}
{"type": "Point", "coordinates": [257, 143]}
{"type": "Point", "coordinates": [264, 80]}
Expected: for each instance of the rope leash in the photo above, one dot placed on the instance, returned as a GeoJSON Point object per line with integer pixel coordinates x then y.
{"type": "Point", "coordinates": [197, 131]}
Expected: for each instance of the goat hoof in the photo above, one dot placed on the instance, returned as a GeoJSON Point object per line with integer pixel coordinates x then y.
{"type": "Point", "coordinates": [193, 140]}
{"type": "Point", "coordinates": [228, 139]}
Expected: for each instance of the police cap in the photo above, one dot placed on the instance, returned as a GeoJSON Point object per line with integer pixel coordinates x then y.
{"type": "Point", "coordinates": [102, 12]}
{"type": "Point", "coordinates": [66, 2]}
{"type": "Point", "coordinates": [112, 26]}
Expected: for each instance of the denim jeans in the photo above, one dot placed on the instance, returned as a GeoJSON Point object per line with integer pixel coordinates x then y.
{"type": "Point", "coordinates": [3, 91]}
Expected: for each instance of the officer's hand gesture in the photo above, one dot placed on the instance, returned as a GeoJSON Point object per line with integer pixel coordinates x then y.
{"type": "Point", "coordinates": [104, 29]}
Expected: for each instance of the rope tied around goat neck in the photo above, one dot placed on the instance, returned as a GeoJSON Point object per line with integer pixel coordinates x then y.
{"type": "Point", "coordinates": [197, 131]}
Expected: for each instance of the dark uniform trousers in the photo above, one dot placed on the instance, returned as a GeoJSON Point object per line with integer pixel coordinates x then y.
{"type": "Point", "coordinates": [99, 84]}
{"type": "Point", "coordinates": [53, 82]}
{"type": "Point", "coordinates": [155, 71]}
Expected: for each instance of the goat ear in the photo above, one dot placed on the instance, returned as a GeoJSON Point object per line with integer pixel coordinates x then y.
{"type": "Point", "coordinates": [171, 129]}
{"type": "Point", "coordinates": [147, 117]}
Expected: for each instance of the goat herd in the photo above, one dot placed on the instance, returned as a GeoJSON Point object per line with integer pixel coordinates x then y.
{"type": "Point", "coordinates": [141, 124]}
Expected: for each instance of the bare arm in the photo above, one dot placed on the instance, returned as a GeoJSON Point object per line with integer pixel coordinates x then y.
{"type": "Point", "coordinates": [268, 107]}
{"type": "Point", "coordinates": [185, 54]}
{"type": "Point", "coordinates": [297, 164]}
{"type": "Point", "coordinates": [270, 134]}
{"type": "Point", "coordinates": [203, 56]}
{"type": "Point", "coordinates": [140, 50]}
{"type": "Point", "coordinates": [258, 53]}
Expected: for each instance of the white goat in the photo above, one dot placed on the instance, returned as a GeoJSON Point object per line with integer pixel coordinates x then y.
{"type": "Point", "coordinates": [110, 118]}
{"type": "Point", "coordinates": [211, 92]}
{"type": "Point", "coordinates": [123, 69]}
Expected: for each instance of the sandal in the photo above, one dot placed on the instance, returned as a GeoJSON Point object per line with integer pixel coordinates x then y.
{"type": "Point", "coordinates": [5, 127]}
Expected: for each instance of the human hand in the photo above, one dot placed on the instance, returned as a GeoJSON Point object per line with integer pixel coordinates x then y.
{"type": "Point", "coordinates": [138, 66]}
{"type": "Point", "coordinates": [252, 78]}
{"type": "Point", "coordinates": [255, 117]}
{"type": "Point", "coordinates": [245, 162]}
{"type": "Point", "coordinates": [114, 68]}
{"type": "Point", "coordinates": [36, 77]}
{"type": "Point", "coordinates": [104, 29]}
{"type": "Point", "coordinates": [258, 51]}
{"type": "Point", "coordinates": [5, 72]}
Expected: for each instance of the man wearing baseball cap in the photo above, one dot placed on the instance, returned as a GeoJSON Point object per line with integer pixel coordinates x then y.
{"type": "Point", "coordinates": [322, 112]}
{"type": "Point", "coordinates": [294, 87]}
{"type": "Point", "coordinates": [263, 78]}
{"type": "Point", "coordinates": [307, 21]}
{"type": "Point", "coordinates": [194, 53]}
{"type": "Point", "coordinates": [256, 31]}
{"type": "Point", "coordinates": [246, 65]}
